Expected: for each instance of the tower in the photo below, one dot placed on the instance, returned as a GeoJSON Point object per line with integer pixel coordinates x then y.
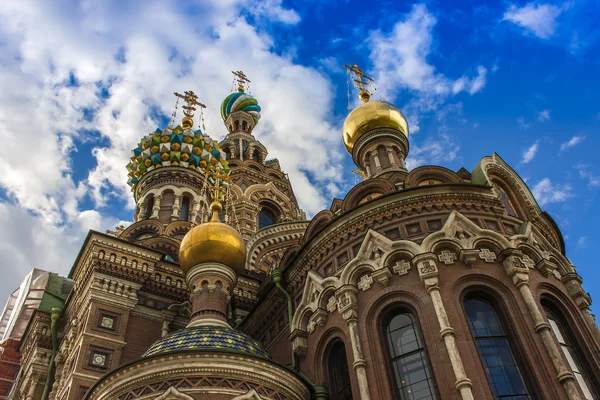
{"type": "Point", "coordinates": [375, 133]}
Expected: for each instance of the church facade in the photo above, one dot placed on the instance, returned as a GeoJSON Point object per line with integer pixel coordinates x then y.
{"type": "Point", "coordinates": [421, 284]}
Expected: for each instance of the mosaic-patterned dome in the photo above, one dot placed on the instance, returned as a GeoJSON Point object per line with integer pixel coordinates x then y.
{"type": "Point", "coordinates": [174, 147]}
{"type": "Point", "coordinates": [240, 101]}
{"type": "Point", "coordinates": [207, 338]}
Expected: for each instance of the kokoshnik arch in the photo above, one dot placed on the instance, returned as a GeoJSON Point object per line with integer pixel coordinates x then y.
{"type": "Point", "coordinates": [426, 284]}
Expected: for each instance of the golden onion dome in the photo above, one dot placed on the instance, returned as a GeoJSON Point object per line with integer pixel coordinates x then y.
{"type": "Point", "coordinates": [372, 115]}
{"type": "Point", "coordinates": [213, 242]}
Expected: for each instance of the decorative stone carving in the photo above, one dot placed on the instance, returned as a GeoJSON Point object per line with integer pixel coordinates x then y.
{"type": "Point", "coordinates": [402, 267]}
{"type": "Point", "coordinates": [468, 256]}
{"type": "Point", "coordinates": [365, 282]}
{"type": "Point", "coordinates": [447, 257]}
{"type": "Point", "coordinates": [317, 319]}
{"type": "Point", "coordinates": [251, 395]}
{"type": "Point", "coordinates": [382, 276]}
{"type": "Point", "coordinates": [299, 344]}
{"type": "Point", "coordinates": [174, 394]}
{"type": "Point", "coordinates": [347, 302]}
{"type": "Point", "coordinates": [487, 255]}
{"type": "Point", "coordinates": [331, 304]}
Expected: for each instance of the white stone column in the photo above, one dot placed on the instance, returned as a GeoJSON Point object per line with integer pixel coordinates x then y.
{"type": "Point", "coordinates": [390, 153]}
{"type": "Point", "coordinates": [176, 207]}
{"type": "Point", "coordinates": [156, 207]}
{"type": "Point", "coordinates": [519, 273]}
{"type": "Point", "coordinates": [428, 272]}
{"type": "Point", "coordinates": [194, 213]}
{"type": "Point", "coordinates": [375, 156]}
{"type": "Point", "coordinates": [347, 306]}
{"type": "Point", "coordinates": [573, 283]}
{"type": "Point", "coordinates": [142, 214]}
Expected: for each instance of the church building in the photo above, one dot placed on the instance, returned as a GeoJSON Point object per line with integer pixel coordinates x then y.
{"type": "Point", "coordinates": [429, 284]}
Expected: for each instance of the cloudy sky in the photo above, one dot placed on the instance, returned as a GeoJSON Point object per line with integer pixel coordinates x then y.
{"type": "Point", "coordinates": [81, 82]}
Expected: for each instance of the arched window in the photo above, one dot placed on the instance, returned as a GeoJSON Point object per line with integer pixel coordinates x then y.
{"type": "Point", "coordinates": [149, 206]}
{"type": "Point", "coordinates": [237, 125]}
{"type": "Point", "coordinates": [338, 374]}
{"type": "Point", "coordinates": [101, 254]}
{"type": "Point", "coordinates": [134, 264]}
{"type": "Point", "coordinates": [266, 217]}
{"type": "Point", "coordinates": [572, 353]}
{"type": "Point", "coordinates": [495, 351]}
{"type": "Point", "coordinates": [184, 213]}
{"type": "Point", "coordinates": [244, 125]}
{"type": "Point", "coordinates": [255, 155]}
{"type": "Point", "coordinates": [123, 260]}
{"type": "Point", "coordinates": [112, 257]}
{"type": "Point", "coordinates": [410, 366]}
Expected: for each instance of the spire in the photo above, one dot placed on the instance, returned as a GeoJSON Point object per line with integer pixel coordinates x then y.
{"type": "Point", "coordinates": [241, 80]}
{"type": "Point", "coordinates": [191, 100]}
{"type": "Point", "coordinates": [361, 82]}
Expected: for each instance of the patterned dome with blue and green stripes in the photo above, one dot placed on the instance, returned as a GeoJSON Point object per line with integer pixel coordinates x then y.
{"type": "Point", "coordinates": [240, 101]}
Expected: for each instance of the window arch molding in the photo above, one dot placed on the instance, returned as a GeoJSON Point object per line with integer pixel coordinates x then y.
{"type": "Point", "coordinates": [337, 371]}
{"type": "Point", "coordinates": [393, 316]}
{"type": "Point", "coordinates": [574, 336]}
{"type": "Point", "coordinates": [268, 214]}
{"type": "Point", "coordinates": [509, 322]}
{"type": "Point", "coordinates": [321, 344]}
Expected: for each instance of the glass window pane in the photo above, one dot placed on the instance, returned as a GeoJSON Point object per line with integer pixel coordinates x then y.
{"type": "Point", "coordinates": [556, 331]}
{"type": "Point", "coordinates": [495, 352]}
{"type": "Point", "coordinates": [411, 370]}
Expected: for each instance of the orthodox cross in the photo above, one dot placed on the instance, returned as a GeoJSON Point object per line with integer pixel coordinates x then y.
{"type": "Point", "coordinates": [361, 81]}
{"type": "Point", "coordinates": [191, 100]}
{"type": "Point", "coordinates": [242, 81]}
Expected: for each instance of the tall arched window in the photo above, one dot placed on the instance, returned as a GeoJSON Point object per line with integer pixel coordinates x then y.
{"type": "Point", "coordinates": [410, 366]}
{"type": "Point", "coordinates": [184, 213]}
{"type": "Point", "coordinates": [149, 206]}
{"type": "Point", "coordinates": [338, 372]}
{"type": "Point", "coordinates": [572, 353]}
{"type": "Point", "coordinates": [495, 351]}
{"type": "Point", "coordinates": [266, 217]}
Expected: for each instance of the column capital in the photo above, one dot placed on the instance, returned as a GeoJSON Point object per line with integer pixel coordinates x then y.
{"type": "Point", "coordinates": [426, 265]}
{"type": "Point", "coordinates": [347, 301]}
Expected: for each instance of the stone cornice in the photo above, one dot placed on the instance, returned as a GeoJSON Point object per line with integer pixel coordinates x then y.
{"type": "Point", "coordinates": [413, 201]}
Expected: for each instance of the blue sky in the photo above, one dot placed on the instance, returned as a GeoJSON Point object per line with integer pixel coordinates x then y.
{"type": "Point", "coordinates": [83, 81]}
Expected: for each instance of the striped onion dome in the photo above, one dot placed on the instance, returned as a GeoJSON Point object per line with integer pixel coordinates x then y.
{"type": "Point", "coordinates": [240, 101]}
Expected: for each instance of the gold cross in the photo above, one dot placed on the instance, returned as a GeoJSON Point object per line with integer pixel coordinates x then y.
{"type": "Point", "coordinates": [242, 80]}
{"type": "Point", "coordinates": [191, 100]}
{"type": "Point", "coordinates": [361, 81]}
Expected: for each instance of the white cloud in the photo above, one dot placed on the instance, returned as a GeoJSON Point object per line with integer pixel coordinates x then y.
{"type": "Point", "coordinates": [544, 115]}
{"type": "Point", "coordinates": [584, 172]}
{"type": "Point", "coordinates": [539, 19]}
{"type": "Point", "coordinates": [546, 192]}
{"type": "Point", "coordinates": [434, 151]}
{"type": "Point", "coordinates": [106, 78]}
{"type": "Point", "coordinates": [530, 152]}
{"type": "Point", "coordinates": [522, 124]}
{"type": "Point", "coordinates": [575, 140]}
{"type": "Point", "coordinates": [582, 243]}
{"type": "Point", "coordinates": [400, 62]}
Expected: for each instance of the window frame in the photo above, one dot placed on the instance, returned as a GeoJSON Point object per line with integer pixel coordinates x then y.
{"type": "Point", "coordinates": [333, 345]}
{"type": "Point", "coordinates": [570, 336]}
{"type": "Point", "coordinates": [385, 320]}
{"type": "Point", "coordinates": [509, 335]}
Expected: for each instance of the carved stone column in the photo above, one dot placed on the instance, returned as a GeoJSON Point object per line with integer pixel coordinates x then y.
{"type": "Point", "coordinates": [347, 306]}
{"type": "Point", "coordinates": [156, 207]}
{"type": "Point", "coordinates": [142, 214]}
{"type": "Point", "coordinates": [194, 213]}
{"type": "Point", "coordinates": [519, 273]}
{"type": "Point", "coordinates": [573, 283]}
{"type": "Point", "coordinates": [428, 272]}
{"type": "Point", "coordinates": [375, 156]}
{"type": "Point", "coordinates": [35, 378]}
{"type": "Point", "coordinates": [390, 153]}
{"type": "Point", "coordinates": [176, 207]}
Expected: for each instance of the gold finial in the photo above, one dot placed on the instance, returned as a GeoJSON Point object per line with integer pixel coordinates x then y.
{"type": "Point", "coordinates": [242, 81]}
{"type": "Point", "coordinates": [361, 81]}
{"type": "Point", "coordinates": [217, 179]}
{"type": "Point", "coordinates": [191, 100]}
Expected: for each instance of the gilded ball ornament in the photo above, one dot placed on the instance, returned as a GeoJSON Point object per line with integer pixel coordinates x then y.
{"type": "Point", "coordinates": [372, 115]}
{"type": "Point", "coordinates": [213, 242]}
